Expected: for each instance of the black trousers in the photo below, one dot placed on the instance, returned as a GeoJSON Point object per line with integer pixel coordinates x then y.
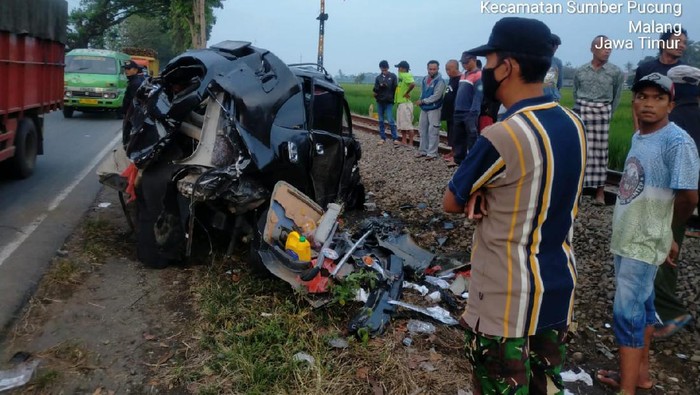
{"type": "Point", "coordinates": [465, 134]}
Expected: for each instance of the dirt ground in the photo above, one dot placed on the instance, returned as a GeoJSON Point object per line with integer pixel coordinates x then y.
{"type": "Point", "coordinates": [100, 323]}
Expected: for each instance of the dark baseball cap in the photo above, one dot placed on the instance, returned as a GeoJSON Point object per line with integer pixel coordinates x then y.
{"type": "Point", "coordinates": [555, 39]}
{"type": "Point", "coordinates": [403, 64]}
{"type": "Point", "coordinates": [130, 65]}
{"type": "Point", "coordinates": [466, 57]}
{"type": "Point", "coordinates": [519, 35]}
{"type": "Point", "coordinates": [656, 80]}
{"type": "Point", "coordinates": [383, 64]}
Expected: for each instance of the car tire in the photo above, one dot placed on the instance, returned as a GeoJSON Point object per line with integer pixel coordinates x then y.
{"type": "Point", "coordinates": [68, 112]}
{"type": "Point", "coordinates": [257, 267]}
{"type": "Point", "coordinates": [356, 197]}
{"type": "Point", "coordinates": [26, 149]}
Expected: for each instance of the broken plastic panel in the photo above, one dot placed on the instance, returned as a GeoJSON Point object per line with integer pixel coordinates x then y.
{"type": "Point", "coordinates": [435, 312]}
{"type": "Point", "coordinates": [376, 314]}
{"type": "Point", "coordinates": [17, 376]}
{"type": "Point", "coordinates": [414, 257]}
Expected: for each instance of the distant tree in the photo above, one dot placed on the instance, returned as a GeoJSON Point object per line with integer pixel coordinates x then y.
{"type": "Point", "coordinates": [360, 78]}
{"type": "Point", "coordinates": [629, 73]}
{"type": "Point", "coordinates": [137, 31]}
{"type": "Point", "coordinates": [340, 74]}
{"type": "Point", "coordinates": [195, 17]}
{"type": "Point", "coordinates": [188, 21]}
{"type": "Point", "coordinates": [569, 71]}
{"type": "Point", "coordinates": [692, 53]}
{"type": "Point", "coordinates": [646, 59]}
{"type": "Point", "coordinates": [89, 23]}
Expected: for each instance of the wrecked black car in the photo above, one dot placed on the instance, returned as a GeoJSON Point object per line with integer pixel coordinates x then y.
{"type": "Point", "coordinates": [209, 139]}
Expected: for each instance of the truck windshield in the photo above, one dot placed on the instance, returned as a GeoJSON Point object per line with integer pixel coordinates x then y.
{"type": "Point", "coordinates": [90, 64]}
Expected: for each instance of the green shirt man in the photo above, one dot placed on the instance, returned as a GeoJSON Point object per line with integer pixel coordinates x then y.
{"type": "Point", "coordinates": [405, 82]}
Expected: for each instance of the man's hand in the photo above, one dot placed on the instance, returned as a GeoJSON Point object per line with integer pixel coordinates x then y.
{"type": "Point", "coordinates": [418, 102]}
{"type": "Point", "coordinates": [477, 207]}
{"type": "Point", "coordinates": [672, 255]}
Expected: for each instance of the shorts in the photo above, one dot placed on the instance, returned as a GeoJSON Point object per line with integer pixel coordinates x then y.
{"type": "Point", "coordinates": [404, 116]}
{"type": "Point", "coordinates": [520, 365]}
{"type": "Point", "coordinates": [633, 308]}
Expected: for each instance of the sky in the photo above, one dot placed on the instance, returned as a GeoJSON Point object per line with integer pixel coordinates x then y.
{"type": "Point", "coordinates": [360, 33]}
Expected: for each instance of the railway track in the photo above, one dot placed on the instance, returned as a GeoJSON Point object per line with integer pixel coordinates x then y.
{"type": "Point", "coordinates": [371, 125]}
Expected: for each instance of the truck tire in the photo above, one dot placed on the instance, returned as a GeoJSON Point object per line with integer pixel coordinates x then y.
{"type": "Point", "coordinates": [26, 149]}
{"type": "Point", "coordinates": [68, 112]}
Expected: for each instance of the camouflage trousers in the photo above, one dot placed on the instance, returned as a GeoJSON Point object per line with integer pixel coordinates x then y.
{"type": "Point", "coordinates": [522, 365]}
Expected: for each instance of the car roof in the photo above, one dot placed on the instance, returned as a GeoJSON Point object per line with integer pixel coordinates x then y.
{"type": "Point", "coordinates": [98, 52]}
{"type": "Point", "coordinates": [320, 77]}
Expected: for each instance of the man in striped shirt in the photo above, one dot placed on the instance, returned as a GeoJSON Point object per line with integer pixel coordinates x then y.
{"type": "Point", "coordinates": [527, 171]}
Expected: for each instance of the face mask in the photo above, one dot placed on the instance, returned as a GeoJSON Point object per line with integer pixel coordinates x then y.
{"type": "Point", "coordinates": [490, 85]}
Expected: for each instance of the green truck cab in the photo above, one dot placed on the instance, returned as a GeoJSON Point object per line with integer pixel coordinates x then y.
{"type": "Point", "coordinates": [94, 81]}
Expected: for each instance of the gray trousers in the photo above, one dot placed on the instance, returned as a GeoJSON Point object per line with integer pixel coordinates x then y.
{"type": "Point", "coordinates": [429, 129]}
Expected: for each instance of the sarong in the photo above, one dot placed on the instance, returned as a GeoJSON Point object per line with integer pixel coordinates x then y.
{"type": "Point", "coordinates": [596, 119]}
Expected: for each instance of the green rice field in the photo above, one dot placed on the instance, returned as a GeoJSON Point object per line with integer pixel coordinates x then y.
{"type": "Point", "coordinates": [360, 97]}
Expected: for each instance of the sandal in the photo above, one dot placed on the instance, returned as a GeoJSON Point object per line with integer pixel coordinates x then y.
{"type": "Point", "coordinates": [670, 327]}
{"type": "Point", "coordinates": [611, 378]}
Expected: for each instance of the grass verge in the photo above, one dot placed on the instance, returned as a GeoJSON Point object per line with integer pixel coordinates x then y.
{"type": "Point", "coordinates": [250, 330]}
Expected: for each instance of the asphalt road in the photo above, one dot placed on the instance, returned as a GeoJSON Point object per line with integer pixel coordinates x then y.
{"type": "Point", "coordinates": [38, 214]}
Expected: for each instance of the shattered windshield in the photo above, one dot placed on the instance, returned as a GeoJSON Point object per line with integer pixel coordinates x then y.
{"type": "Point", "coordinates": [90, 64]}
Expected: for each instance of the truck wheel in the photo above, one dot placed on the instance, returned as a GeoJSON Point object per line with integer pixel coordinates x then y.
{"type": "Point", "coordinates": [26, 147]}
{"type": "Point", "coordinates": [68, 112]}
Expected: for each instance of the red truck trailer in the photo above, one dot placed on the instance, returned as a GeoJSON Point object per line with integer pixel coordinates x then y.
{"type": "Point", "coordinates": [32, 47]}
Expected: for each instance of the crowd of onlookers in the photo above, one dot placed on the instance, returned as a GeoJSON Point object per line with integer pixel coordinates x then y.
{"type": "Point", "coordinates": [522, 161]}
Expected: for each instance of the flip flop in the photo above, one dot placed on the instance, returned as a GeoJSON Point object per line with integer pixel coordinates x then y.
{"type": "Point", "coordinates": [675, 325]}
{"type": "Point", "coordinates": [611, 378]}
{"type": "Point", "coordinates": [598, 203]}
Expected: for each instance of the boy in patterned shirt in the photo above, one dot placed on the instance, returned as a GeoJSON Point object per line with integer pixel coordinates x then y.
{"type": "Point", "coordinates": [658, 190]}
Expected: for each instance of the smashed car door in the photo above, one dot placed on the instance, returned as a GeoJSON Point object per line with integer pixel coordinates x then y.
{"type": "Point", "coordinates": [328, 149]}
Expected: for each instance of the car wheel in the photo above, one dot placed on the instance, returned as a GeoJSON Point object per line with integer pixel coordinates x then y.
{"type": "Point", "coordinates": [257, 267]}
{"type": "Point", "coordinates": [68, 112]}
{"type": "Point", "coordinates": [356, 197]}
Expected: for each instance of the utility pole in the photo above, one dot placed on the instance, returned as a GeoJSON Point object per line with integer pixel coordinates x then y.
{"type": "Point", "coordinates": [322, 18]}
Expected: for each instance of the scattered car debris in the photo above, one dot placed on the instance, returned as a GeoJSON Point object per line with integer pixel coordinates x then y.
{"type": "Point", "coordinates": [338, 342]}
{"type": "Point", "coordinates": [304, 357]}
{"type": "Point", "coordinates": [18, 376]}
{"type": "Point", "coordinates": [603, 349]}
{"type": "Point", "coordinates": [417, 326]}
{"type": "Point", "coordinates": [422, 289]}
{"type": "Point", "coordinates": [571, 376]}
{"type": "Point", "coordinates": [438, 282]}
{"type": "Point", "coordinates": [435, 312]}
{"type": "Point", "coordinates": [433, 297]}
{"type": "Point", "coordinates": [361, 296]}
{"type": "Point", "coordinates": [459, 285]}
